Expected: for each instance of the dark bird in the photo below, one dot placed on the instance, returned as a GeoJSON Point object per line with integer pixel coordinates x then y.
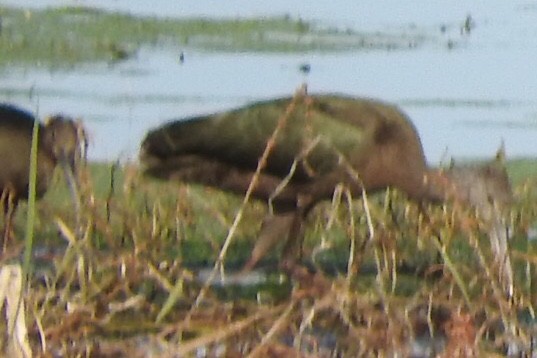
{"type": "Point", "coordinates": [60, 141]}
{"type": "Point", "coordinates": [320, 141]}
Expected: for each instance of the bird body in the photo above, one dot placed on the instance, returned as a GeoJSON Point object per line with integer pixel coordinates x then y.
{"type": "Point", "coordinates": [15, 145]}
{"type": "Point", "coordinates": [58, 143]}
{"type": "Point", "coordinates": [322, 141]}
{"type": "Point", "coordinates": [222, 150]}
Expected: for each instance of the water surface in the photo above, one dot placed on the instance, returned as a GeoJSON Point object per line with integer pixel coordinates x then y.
{"type": "Point", "coordinates": [465, 92]}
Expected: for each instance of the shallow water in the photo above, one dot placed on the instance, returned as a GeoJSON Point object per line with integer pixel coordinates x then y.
{"type": "Point", "coordinates": [464, 100]}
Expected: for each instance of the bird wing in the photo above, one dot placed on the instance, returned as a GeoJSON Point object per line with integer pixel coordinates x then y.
{"type": "Point", "coordinates": [315, 133]}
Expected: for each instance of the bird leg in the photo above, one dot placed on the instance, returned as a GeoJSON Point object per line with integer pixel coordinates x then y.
{"type": "Point", "coordinates": [73, 184]}
{"type": "Point", "coordinates": [10, 204]}
{"type": "Point", "coordinates": [275, 228]}
{"type": "Point", "coordinates": [292, 250]}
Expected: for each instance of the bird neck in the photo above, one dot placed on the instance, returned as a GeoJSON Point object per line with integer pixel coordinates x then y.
{"type": "Point", "coordinates": [438, 185]}
{"type": "Point", "coordinates": [477, 186]}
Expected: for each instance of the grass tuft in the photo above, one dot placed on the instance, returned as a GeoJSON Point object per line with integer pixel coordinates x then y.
{"type": "Point", "coordinates": [127, 283]}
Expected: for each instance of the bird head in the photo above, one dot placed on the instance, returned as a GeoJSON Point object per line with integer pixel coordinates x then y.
{"type": "Point", "coordinates": [66, 139]}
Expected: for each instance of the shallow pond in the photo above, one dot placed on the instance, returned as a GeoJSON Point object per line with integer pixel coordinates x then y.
{"type": "Point", "coordinates": [465, 92]}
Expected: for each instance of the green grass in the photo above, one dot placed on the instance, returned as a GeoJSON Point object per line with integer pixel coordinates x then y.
{"type": "Point", "coordinates": [69, 36]}
{"type": "Point", "coordinates": [522, 169]}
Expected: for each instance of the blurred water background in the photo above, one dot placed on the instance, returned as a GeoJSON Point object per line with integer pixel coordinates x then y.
{"type": "Point", "coordinates": [465, 91]}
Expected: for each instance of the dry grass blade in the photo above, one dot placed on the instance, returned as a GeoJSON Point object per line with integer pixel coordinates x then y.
{"type": "Point", "coordinates": [11, 279]}
{"type": "Point", "coordinates": [221, 334]}
{"type": "Point", "coordinates": [453, 269]}
{"type": "Point", "coordinates": [278, 325]}
{"type": "Point", "coordinates": [352, 267]}
{"type": "Point", "coordinates": [175, 294]}
{"type": "Point", "coordinates": [66, 232]}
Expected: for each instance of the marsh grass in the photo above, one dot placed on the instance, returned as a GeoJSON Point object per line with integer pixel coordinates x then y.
{"type": "Point", "coordinates": [101, 292]}
{"type": "Point", "coordinates": [72, 35]}
{"type": "Point", "coordinates": [143, 240]}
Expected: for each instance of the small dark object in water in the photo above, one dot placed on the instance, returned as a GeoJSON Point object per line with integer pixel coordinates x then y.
{"type": "Point", "coordinates": [468, 25]}
{"type": "Point", "coordinates": [119, 53]}
{"type": "Point", "coordinates": [182, 57]}
{"type": "Point", "coordinates": [326, 140]}
{"type": "Point", "coordinates": [305, 68]}
{"type": "Point", "coordinates": [61, 141]}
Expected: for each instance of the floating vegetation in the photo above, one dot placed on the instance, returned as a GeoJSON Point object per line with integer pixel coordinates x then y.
{"type": "Point", "coordinates": [72, 35]}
